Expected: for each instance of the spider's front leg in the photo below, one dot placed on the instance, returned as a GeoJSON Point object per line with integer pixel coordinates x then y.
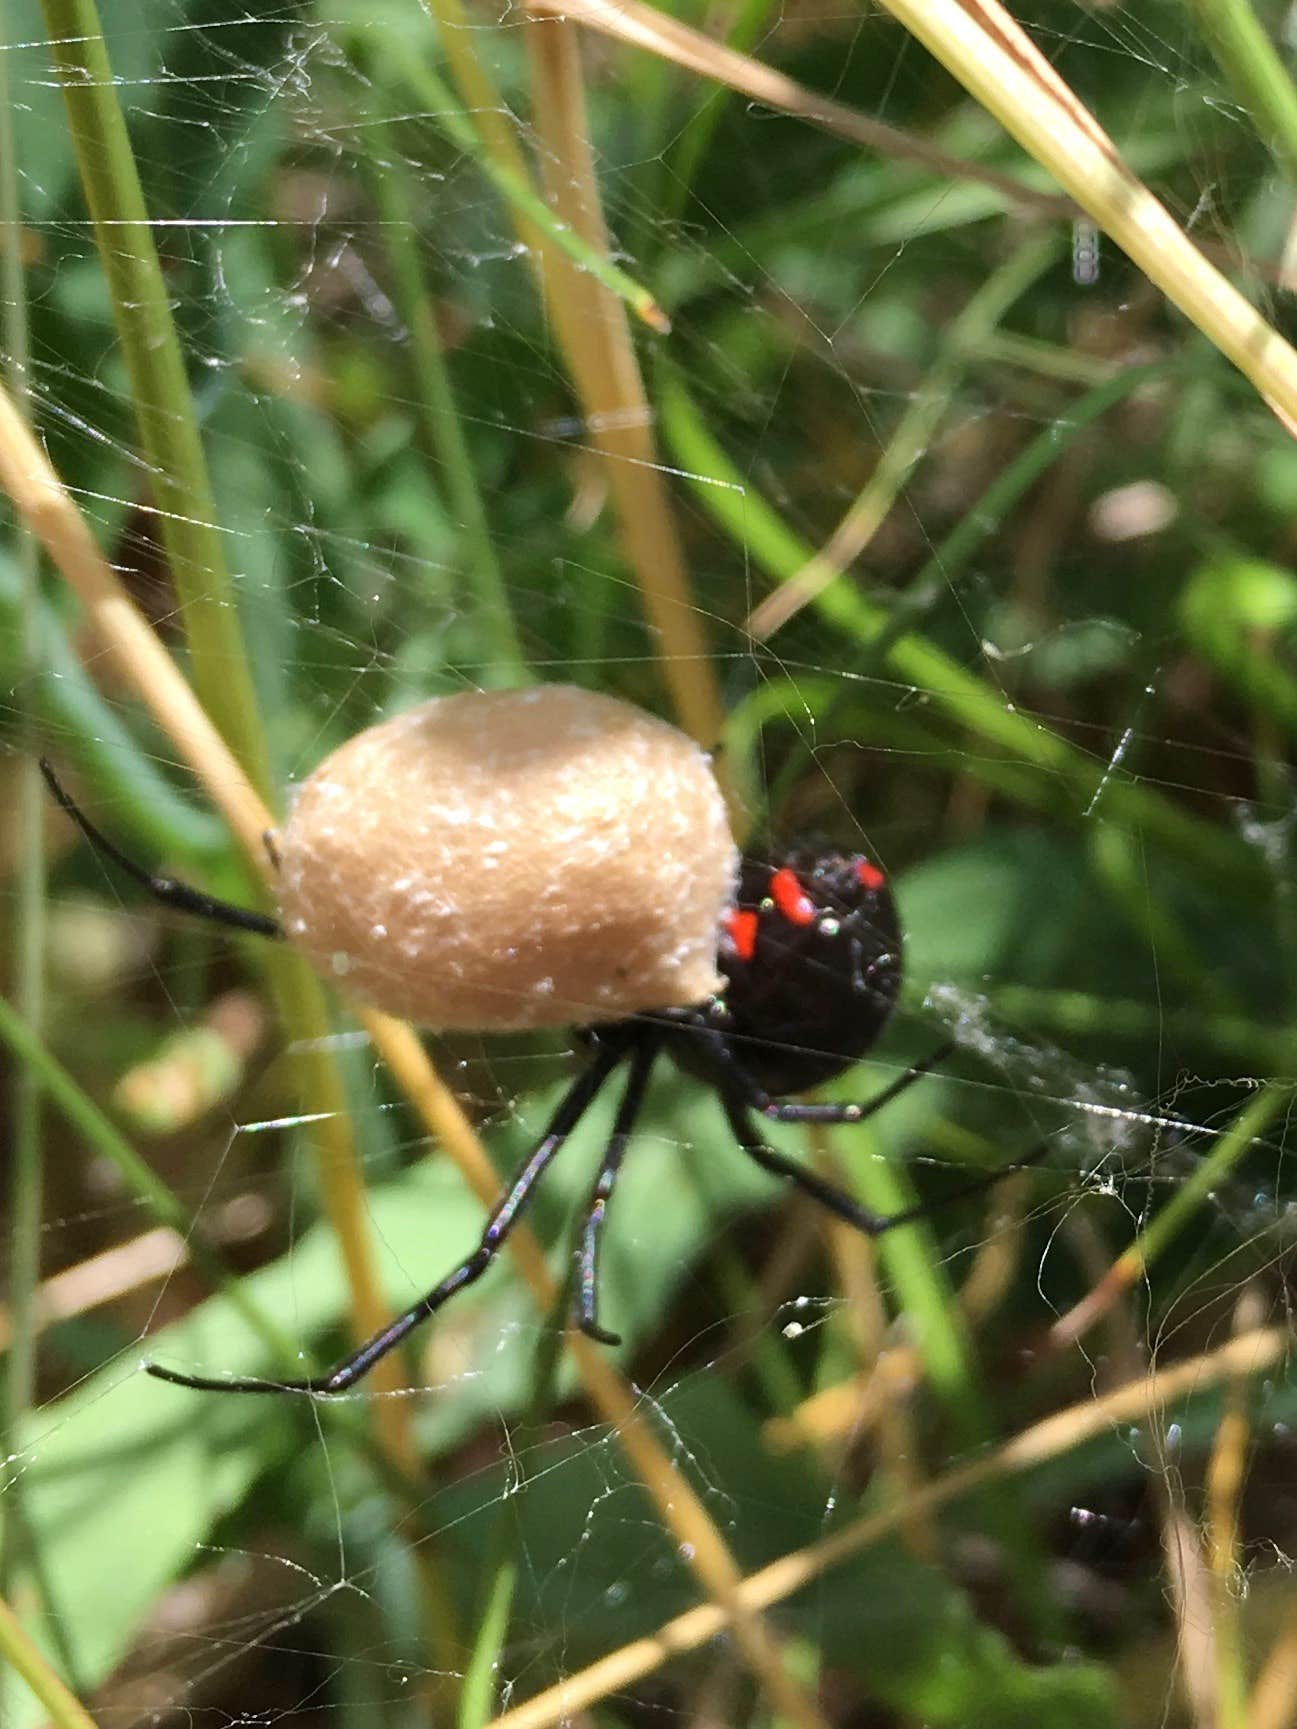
{"type": "Point", "coordinates": [742, 1097]}
{"type": "Point", "coordinates": [737, 1083]}
{"type": "Point", "coordinates": [587, 1302]}
{"type": "Point", "coordinates": [504, 1216]}
{"type": "Point", "coordinates": [831, 1113]}
{"type": "Point", "coordinates": [828, 1195]}
{"type": "Point", "coordinates": [182, 897]}
{"type": "Point", "coordinates": [836, 1200]}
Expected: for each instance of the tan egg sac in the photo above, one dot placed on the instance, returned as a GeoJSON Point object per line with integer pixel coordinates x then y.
{"type": "Point", "coordinates": [502, 859]}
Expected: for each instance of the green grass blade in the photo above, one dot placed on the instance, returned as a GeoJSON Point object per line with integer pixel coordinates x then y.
{"type": "Point", "coordinates": [186, 513]}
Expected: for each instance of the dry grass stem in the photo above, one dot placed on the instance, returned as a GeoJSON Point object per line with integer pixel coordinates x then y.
{"type": "Point", "coordinates": [1274, 1698]}
{"type": "Point", "coordinates": [614, 401]}
{"type": "Point", "coordinates": [48, 511]}
{"type": "Point", "coordinates": [982, 46]}
{"type": "Point", "coordinates": [1225, 1481]}
{"type": "Point", "coordinates": [985, 49]}
{"type": "Point", "coordinates": [103, 1278]}
{"type": "Point", "coordinates": [644, 26]}
{"type": "Point", "coordinates": [594, 334]}
{"type": "Point", "coordinates": [1191, 1599]}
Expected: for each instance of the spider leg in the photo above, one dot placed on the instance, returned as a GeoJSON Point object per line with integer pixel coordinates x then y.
{"type": "Point", "coordinates": [504, 1215]}
{"type": "Point", "coordinates": [164, 889]}
{"type": "Point", "coordinates": [781, 1111]}
{"type": "Point", "coordinates": [837, 1201]}
{"type": "Point", "coordinates": [588, 1254]}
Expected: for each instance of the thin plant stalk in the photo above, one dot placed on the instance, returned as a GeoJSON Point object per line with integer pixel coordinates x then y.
{"type": "Point", "coordinates": [66, 706]}
{"type": "Point", "coordinates": [653, 29]}
{"type": "Point", "coordinates": [480, 1689]}
{"type": "Point", "coordinates": [138, 1177]}
{"type": "Point", "coordinates": [1273, 1704]}
{"type": "Point", "coordinates": [101, 1279]}
{"type": "Point", "coordinates": [478, 1694]}
{"type": "Point", "coordinates": [892, 1420]}
{"type": "Point", "coordinates": [997, 62]}
{"type": "Point", "coordinates": [912, 1262]}
{"type": "Point", "coordinates": [911, 439]}
{"type": "Point", "coordinates": [645, 521]}
{"type": "Point", "coordinates": [1225, 1480]}
{"type": "Point", "coordinates": [993, 509]}
{"type": "Point", "coordinates": [695, 138]}
{"type": "Point", "coordinates": [609, 382]}
{"type": "Point", "coordinates": [596, 345]}
{"type": "Point", "coordinates": [1135, 1260]}
{"type": "Point", "coordinates": [449, 118]}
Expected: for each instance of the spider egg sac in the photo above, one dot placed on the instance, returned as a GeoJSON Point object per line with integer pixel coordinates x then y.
{"type": "Point", "coordinates": [504, 859]}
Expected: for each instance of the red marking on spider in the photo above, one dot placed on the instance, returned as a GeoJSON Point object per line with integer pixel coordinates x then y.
{"type": "Point", "coordinates": [790, 898]}
{"type": "Point", "coordinates": [869, 876]}
{"type": "Point", "coordinates": [741, 928]}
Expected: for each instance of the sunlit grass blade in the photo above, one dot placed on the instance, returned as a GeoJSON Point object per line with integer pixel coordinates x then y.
{"type": "Point", "coordinates": [1143, 1399]}
{"type": "Point", "coordinates": [909, 442]}
{"type": "Point", "coordinates": [997, 62]}
{"type": "Point", "coordinates": [26, 1660]}
{"type": "Point", "coordinates": [26, 1176]}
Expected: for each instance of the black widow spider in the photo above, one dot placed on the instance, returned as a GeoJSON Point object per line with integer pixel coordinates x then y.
{"type": "Point", "coordinates": [811, 958]}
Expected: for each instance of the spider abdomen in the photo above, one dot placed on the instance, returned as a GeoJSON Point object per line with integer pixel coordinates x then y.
{"type": "Point", "coordinates": [811, 954]}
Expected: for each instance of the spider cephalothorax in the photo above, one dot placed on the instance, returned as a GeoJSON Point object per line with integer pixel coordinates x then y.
{"type": "Point", "coordinates": [621, 906]}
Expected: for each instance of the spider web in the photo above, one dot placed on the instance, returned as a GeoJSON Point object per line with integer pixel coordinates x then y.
{"type": "Point", "coordinates": [1116, 999]}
